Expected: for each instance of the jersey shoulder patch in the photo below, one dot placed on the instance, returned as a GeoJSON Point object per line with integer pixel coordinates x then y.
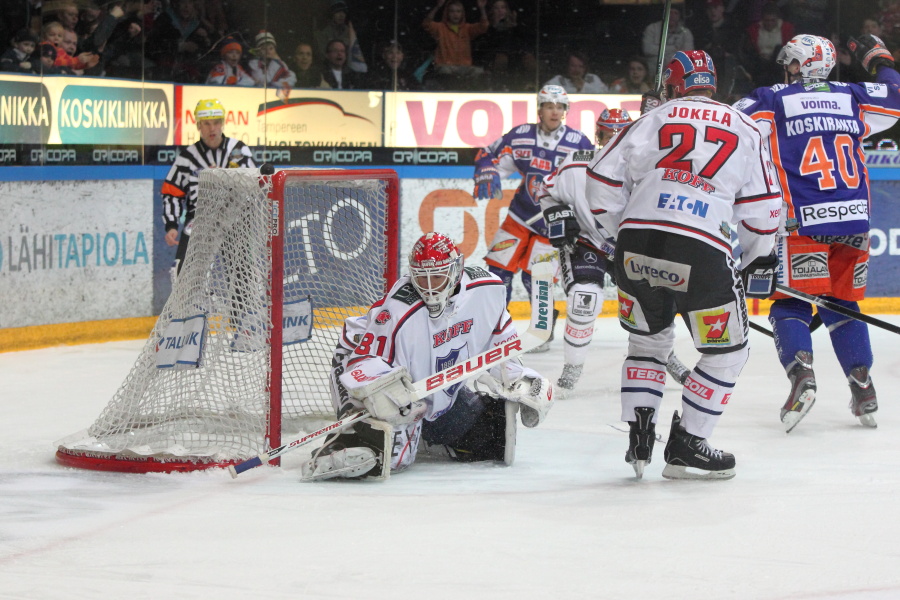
{"type": "Point", "coordinates": [406, 294]}
{"type": "Point", "coordinates": [477, 272]}
{"type": "Point", "coordinates": [583, 155]}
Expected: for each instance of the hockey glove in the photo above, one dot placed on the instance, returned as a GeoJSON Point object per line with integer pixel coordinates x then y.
{"type": "Point", "coordinates": [487, 177]}
{"type": "Point", "coordinates": [562, 228]}
{"type": "Point", "coordinates": [759, 277]}
{"type": "Point", "coordinates": [870, 52]}
{"type": "Point", "coordinates": [392, 398]}
{"type": "Point", "coordinates": [650, 100]}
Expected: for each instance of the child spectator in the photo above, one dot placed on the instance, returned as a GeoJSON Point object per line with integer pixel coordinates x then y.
{"type": "Point", "coordinates": [230, 71]}
{"type": "Point", "coordinates": [48, 61]}
{"type": "Point", "coordinates": [391, 70]}
{"type": "Point", "coordinates": [268, 69]}
{"type": "Point", "coordinates": [54, 34]}
{"type": "Point", "coordinates": [18, 58]}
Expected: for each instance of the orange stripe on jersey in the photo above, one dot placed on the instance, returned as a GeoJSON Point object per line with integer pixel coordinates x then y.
{"type": "Point", "coordinates": [881, 110]}
{"type": "Point", "coordinates": [170, 190]}
{"type": "Point", "coordinates": [782, 175]}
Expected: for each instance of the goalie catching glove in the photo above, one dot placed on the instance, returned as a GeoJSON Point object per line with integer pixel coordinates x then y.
{"type": "Point", "coordinates": [391, 398]}
{"type": "Point", "coordinates": [534, 395]}
{"type": "Point", "coordinates": [562, 227]}
{"type": "Point", "coordinates": [487, 178]}
{"type": "Point", "coordinates": [759, 277]}
{"type": "Point", "coordinates": [871, 52]}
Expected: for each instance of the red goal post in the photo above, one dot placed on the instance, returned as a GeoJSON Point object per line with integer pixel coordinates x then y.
{"type": "Point", "coordinates": [216, 382]}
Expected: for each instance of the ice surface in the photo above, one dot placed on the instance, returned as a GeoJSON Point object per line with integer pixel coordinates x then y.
{"type": "Point", "coordinates": [810, 515]}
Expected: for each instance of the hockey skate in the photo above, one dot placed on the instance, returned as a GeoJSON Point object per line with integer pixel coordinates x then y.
{"type": "Point", "coordinates": [677, 369]}
{"type": "Point", "coordinates": [342, 462]}
{"type": "Point", "coordinates": [569, 377]}
{"type": "Point", "coordinates": [546, 345]}
{"type": "Point", "coordinates": [863, 403]}
{"type": "Point", "coordinates": [803, 391]}
{"type": "Point", "coordinates": [641, 437]}
{"type": "Point", "coordinates": [691, 457]}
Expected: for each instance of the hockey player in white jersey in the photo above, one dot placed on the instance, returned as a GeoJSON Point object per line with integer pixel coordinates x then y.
{"type": "Point", "coordinates": [438, 315]}
{"type": "Point", "coordinates": [584, 250]}
{"type": "Point", "coordinates": [672, 187]}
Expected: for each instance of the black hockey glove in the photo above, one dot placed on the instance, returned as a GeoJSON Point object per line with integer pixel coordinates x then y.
{"type": "Point", "coordinates": [870, 52]}
{"type": "Point", "coordinates": [759, 277]}
{"type": "Point", "coordinates": [650, 100]}
{"type": "Point", "coordinates": [562, 227]}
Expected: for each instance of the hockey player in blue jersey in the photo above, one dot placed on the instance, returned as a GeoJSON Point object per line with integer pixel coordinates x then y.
{"type": "Point", "coordinates": [534, 150]}
{"type": "Point", "coordinates": [815, 130]}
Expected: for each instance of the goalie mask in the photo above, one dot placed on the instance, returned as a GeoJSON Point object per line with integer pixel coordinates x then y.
{"type": "Point", "coordinates": [611, 122]}
{"type": "Point", "coordinates": [814, 54]}
{"type": "Point", "coordinates": [435, 268]}
{"type": "Point", "coordinates": [689, 72]}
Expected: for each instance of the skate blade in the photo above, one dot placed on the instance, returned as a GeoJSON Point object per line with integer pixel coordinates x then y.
{"type": "Point", "coordinates": [639, 468]}
{"type": "Point", "coordinates": [868, 420]}
{"type": "Point", "coordinates": [682, 472]}
{"type": "Point", "coordinates": [791, 418]}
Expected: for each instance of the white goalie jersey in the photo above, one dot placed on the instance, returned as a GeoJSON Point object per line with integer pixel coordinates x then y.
{"type": "Point", "coordinates": [397, 331]}
{"type": "Point", "coordinates": [565, 186]}
{"type": "Point", "coordinates": [693, 167]}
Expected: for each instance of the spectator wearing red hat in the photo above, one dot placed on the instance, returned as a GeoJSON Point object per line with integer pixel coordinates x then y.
{"type": "Point", "coordinates": [230, 71]}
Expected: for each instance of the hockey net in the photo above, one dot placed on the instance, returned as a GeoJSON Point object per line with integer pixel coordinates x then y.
{"type": "Point", "coordinates": [216, 382]}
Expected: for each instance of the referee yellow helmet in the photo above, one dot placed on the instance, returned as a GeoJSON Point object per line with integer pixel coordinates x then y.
{"type": "Point", "coordinates": [209, 109]}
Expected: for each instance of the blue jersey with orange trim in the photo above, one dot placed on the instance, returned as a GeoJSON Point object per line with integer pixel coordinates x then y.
{"type": "Point", "coordinates": [534, 155]}
{"type": "Point", "coordinates": [815, 133]}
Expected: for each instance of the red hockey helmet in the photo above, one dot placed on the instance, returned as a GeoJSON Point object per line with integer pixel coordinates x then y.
{"type": "Point", "coordinates": [688, 72]}
{"type": "Point", "coordinates": [435, 267]}
{"type": "Point", "coordinates": [610, 123]}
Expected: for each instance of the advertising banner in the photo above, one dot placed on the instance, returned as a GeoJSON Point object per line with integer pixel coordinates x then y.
{"type": "Point", "coordinates": [269, 117]}
{"type": "Point", "coordinates": [74, 110]}
{"type": "Point", "coordinates": [452, 120]}
{"type": "Point", "coordinates": [75, 251]}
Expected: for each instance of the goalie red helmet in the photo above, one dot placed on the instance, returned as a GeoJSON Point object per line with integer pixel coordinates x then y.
{"type": "Point", "coordinates": [688, 72]}
{"type": "Point", "coordinates": [610, 123]}
{"type": "Point", "coordinates": [435, 267]}
{"type": "Point", "coordinates": [815, 55]}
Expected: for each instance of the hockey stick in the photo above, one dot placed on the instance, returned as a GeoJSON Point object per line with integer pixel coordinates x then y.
{"type": "Point", "coordinates": [832, 306]}
{"type": "Point", "coordinates": [663, 37]}
{"type": "Point", "coordinates": [538, 332]}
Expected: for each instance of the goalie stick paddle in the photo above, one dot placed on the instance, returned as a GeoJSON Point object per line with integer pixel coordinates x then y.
{"type": "Point", "coordinates": [538, 332]}
{"type": "Point", "coordinates": [832, 306]}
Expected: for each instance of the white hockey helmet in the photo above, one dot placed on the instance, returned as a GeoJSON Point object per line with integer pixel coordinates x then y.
{"type": "Point", "coordinates": [555, 94]}
{"type": "Point", "coordinates": [815, 54]}
{"type": "Point", "coordinates": [435, 267]}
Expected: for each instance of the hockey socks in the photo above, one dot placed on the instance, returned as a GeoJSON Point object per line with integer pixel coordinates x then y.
{"type": "Point", "coordinates": [849, 337]}
{"type": "Point", "coordinates": [790, 321]}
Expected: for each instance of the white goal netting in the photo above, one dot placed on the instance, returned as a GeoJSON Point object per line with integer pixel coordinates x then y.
{"type": "Point", "coordinates": [200, 393]}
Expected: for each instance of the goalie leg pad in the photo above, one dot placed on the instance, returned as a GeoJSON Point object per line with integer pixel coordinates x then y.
{"type": "Point", "coordinates": [358, 453]}
{"type": "Point", "coordinates": [491, 436]}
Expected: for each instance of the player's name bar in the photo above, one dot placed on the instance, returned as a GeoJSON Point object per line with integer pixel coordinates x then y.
{"type": "Point", "coordinates": [24, 155]}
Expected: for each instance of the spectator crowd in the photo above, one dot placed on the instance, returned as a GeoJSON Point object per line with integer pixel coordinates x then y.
{"type": "Point", "coordinates": [586, 46]}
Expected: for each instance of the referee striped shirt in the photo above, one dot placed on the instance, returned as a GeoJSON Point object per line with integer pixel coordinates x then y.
{"type": "Point", "coordinates": [179, 190]}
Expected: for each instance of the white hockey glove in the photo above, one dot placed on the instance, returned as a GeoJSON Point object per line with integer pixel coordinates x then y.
{"type": "Point", "coordinates": [392, 398]}
{"type": "Point", "coordinates": [533, 394]}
